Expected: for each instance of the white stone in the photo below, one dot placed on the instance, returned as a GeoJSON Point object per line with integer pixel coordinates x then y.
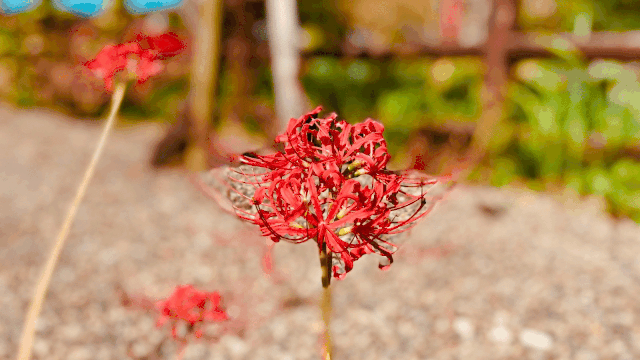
{"type": "Point", "coordinates": [584, 354]}
{"type": "Point", "coordinates": [500, 335]}
{"type": "Point", "coordinates": [536, 339]}
{"type": "Point", "coordinates": [41, 348]}
{"type": "Point", "coordinates": [618, 346]}
{"type": "Point", "coordinates": [464, 328]}
{"type": "Point", "coordinates": [42, 324]}
{"type": "Point", "coordinates": [109, 256]}
{"type": "Point", "coordinates": [80, 353]}
{"type": "Point", "coordinates": [203, 273]}
{"type": "Point", "coordinates": [501, 317]}
{"type": "Point", "coordinates": [72, 331]}
{"type": "Point", "coordinates": [236, 346]}
{"type": "Point", "coordinates": [141, 349]}
{"type": "Point", "coordinates": [279, 330]}
{"type": "Point", "coordinates": [195, 351]}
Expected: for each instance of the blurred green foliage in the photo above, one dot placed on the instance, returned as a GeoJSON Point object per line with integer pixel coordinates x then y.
{"type": "Point", "coordinates": [567, 122]}
{"type": "Point", "coordinates": [406, 95]}
{"type": "Point", "coordinates": [41, 56]}
{"type": "Point", "coordinates": [574, 123]}
{"type": "Point", "coordinates": [564, 15]}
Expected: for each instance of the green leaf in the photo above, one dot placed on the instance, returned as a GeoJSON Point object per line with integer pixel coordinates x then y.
{"type": "Point", "coordinates": [362, 72]}
{"type": "Point", "coordinates": [575, 130]}
{"type": "Point", "coordinates": [574, 180]}
{"type": "Point", "coordinates": [504, 171]}
{"type": "Point", "coordinates": [626, 173]}
{"type": "Point", "coordinates": [598, 181]}
{"type": "Point", "coordinates": [400, 109]}
{"type": "Point", "coordinates": [614, 126]}
{"type": "Point", "coordinates": [502, 135]}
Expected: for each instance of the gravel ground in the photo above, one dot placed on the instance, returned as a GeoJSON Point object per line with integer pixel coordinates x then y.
{"type": "Point", "coordinates": [491, 274]}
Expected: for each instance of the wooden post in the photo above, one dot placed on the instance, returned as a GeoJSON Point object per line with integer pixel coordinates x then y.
{"type": "Point", "coordinates": [495, 79]}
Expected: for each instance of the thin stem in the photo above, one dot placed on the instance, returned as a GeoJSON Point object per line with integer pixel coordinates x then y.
{"type": "Point", "coordinates": [28, 331]}
{"type": "Point", "coordinates": [325, 264]}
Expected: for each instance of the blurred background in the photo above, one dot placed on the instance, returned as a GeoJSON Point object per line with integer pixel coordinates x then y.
{"type": "Point", "coordinates": [541, 94]}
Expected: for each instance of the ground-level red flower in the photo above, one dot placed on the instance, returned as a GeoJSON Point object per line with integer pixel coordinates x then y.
{"type": "Point", "coordinates": [191, 308]}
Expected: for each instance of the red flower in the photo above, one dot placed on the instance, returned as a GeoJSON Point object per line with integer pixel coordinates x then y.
{"type": "Point", "coordinates": [330, 184]}
{"type": "Point", "coordinates": [166, 45]}
{"type": "Point", "coordinates": [141, 63]}
{"type": "Point", "coordinates": [191, 307]}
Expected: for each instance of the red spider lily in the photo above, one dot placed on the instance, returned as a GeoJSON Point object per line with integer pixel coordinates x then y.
{"type": "Point", "coordinates": [310, 140]}
{"type": "Point", "coordinates": [165, 45]}
{"type": "Point", "coordinates": [190, 306]}
{"type": "Point", "coordinates": [331, 184]}
{"type": "Point", "coordinates": [141, 63]}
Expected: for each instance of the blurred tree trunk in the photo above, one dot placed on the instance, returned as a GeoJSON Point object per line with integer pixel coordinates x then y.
{"type": "Point", "coordinates": [283, 29]}
{"type": "Point", "coordinates": [204, 76]}
{"type": "Point", "coordinates": [244, 55]}
{"type": "Point", "coordinates": [237, 35]}
{"type": "Point", "coordinates": [189, 134]}
{"type": "Point", "coordinates": [495, 80]}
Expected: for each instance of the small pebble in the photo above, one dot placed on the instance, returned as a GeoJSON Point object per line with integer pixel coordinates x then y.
{"type": "Point", "coordinates": [236, 346]}
{"type": "Point", "coordinates": [203, 273]}
{"type": "Point", "coordinates": [80, 353]}
{"type": "Point", "coordinates": [41, 348]}
{"type": "Point", "coordinates": [71, 332]}
{"type": "Point", "coordinates": [618, 346]}
{"type": "Point", "coordinates": [584, 354]}
{"type": "Point", "coordinates": [109, 256]}
{"type": "Point", "coordinates": [464, 328]}
{"type": "Point", "coordinates": [195, 351]}
{"type": "Point", "coordinates": [42, 324]}
{"type": "Point", "coordinates": [500, 335]}
{"type": "Point", "coordinates": [141, 349]}
{"type": "Point", "coordinates": [536, 339]}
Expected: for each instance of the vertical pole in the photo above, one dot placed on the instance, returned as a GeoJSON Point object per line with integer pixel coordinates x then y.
{"type": "Point", "coordinates": [204, 76]}
{"type": "Point", "coordinates": [283, 29]}
{"type": "Point", "coordinates": [495, 80]}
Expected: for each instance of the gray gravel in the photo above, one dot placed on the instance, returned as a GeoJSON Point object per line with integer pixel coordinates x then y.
{"type": "Point", "coordinates": [491, 274]}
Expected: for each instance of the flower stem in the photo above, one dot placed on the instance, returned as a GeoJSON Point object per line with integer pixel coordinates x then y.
{"type": "Point", "coordinates": [28, 331]}
{"type": "Point", "coordinates": [325, 264]}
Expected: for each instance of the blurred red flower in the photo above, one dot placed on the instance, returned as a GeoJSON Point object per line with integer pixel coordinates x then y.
{"type": "Point", "coordinates": [141, 63]}
{"type": "Point", "coordinates": [190, 307]}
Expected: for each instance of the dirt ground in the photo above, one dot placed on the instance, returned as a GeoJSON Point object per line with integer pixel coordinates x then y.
{"type": "Point", "coordinates": [491, 274]}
